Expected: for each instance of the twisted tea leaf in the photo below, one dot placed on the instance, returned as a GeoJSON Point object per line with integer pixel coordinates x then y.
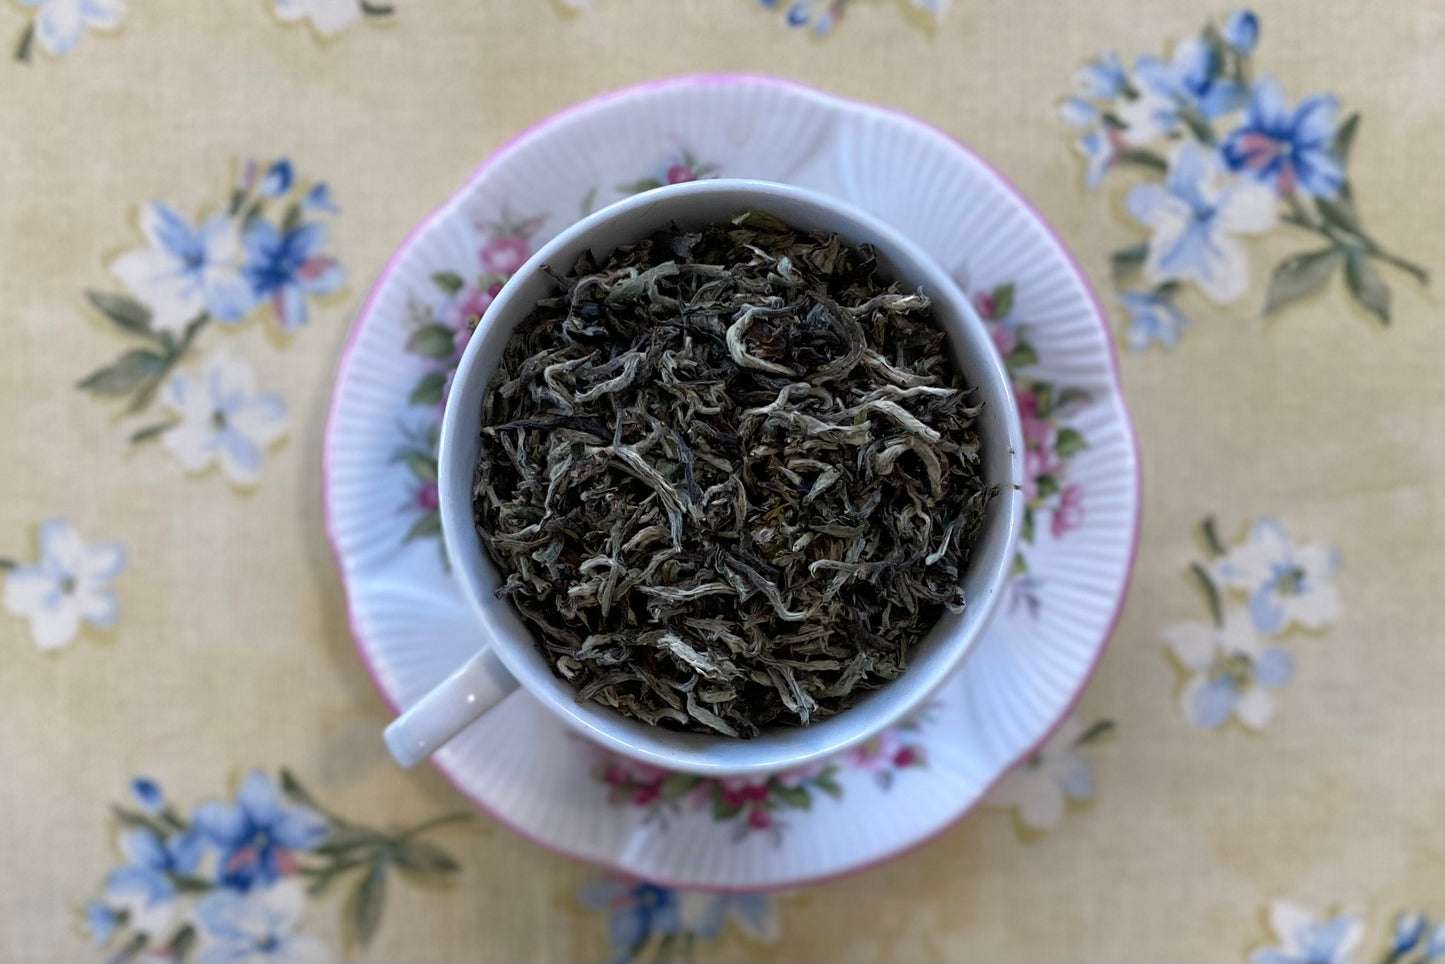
{"type": "Point", "coordinates": [730, 476]}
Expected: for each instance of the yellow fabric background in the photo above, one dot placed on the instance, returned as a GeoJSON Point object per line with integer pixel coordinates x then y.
{"type": "Point", "coordinates": [233, 649]}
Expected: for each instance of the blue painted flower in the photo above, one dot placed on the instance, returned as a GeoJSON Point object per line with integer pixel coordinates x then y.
{"type": "Point", "coordinates": [639, 911]}
{"type": "Point", "coordinates": [1286, 583]}
{"type": "Point", "coordinates": [1303, 939]}
{"type": "Point", "coordinates": [143, 888]}
{"type": "Point", "coordinates": [256, 928]}
{"type": "Point", "coordinates": [319, 199]}
{"type": "Point", "coordinates": [285, 268]}
{"type": "Point", "coordinates": [258, 834]}
{"type": "Point", "coordinates": [1241, 31]}
{"type": "Point", "coordinates": [800, 14]}
{"type": "Point", "coordinates": [1409, 928]}
{"type": "Point", "coordinates": [148, 794]}
{"type": "Point", "coordinates": [1288, 149]}
{"type": "Point", "coordinates": [186, 271]}
{"type": "Point", "coordinates": [1102, 79]}
{"type": "Point", "coordinates": [67, 587]}
{"type": "Point", "coordinates": [1152, 318]}
{"type": "Point", "coordinates": [101, 922]}
{"type": "Point", "coordinates": [61, 23]}
{"type": "Point", "coordinates": [1435, 946]}
{"type": "Point", "coordinates": [1190, 81]}
{"type": "Point", "coordinates": [278, 180]}
{"type": "Point", "coordinates": [1100, 148]}
{"type": "Point", "coordinates": [705, 915]}
{"type": "Point", "coordinates": [1194, 215]}
{"type": "Point", "coordinates": [1232, 673]}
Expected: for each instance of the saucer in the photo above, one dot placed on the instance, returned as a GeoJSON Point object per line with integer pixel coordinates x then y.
{"type": "Point", "coordinates": [522, 765]}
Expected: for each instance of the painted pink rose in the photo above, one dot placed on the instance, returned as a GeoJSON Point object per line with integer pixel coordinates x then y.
{"type": "Point", "coordinates": [909, 756]}
{"type": "Point", "coordinates": [427, 498]}
{"type": "Point", "coordinates": [876, 755]}
{"type": "Point", "coordinates": [504, 255]}
{"type": "Point", "coordinates": [679, 173]}
{"type": "Point", "coordinates": [792, 779]}
{"type": "Point", "coordinates": [1069, 515]}
{"type": "Point", "coordinates": [1038, 432]}
{"type": "Point", "coordinates": [984, 304]}
{"type": "Point", "coordinates": [760, 818]}
{"type": "Point", "coordinates": [1005, 339]}
{"type": "Point", "coordinates": [1037, 462]}
{"type": "Point", "coordinates": [643, 795]}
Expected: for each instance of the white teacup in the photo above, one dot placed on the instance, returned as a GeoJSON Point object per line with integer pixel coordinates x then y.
{"type": "Point", "coordinates": [508, 655]}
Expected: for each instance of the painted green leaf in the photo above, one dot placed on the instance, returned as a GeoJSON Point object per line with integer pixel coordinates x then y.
{"type": "Point", "coordinates": [132, 371]}
{"type": "Point", "coordinates": [675, 785]}
{"type": "Point", "coordinates": [1139, 157]}
{"type": "Point", "coordinates": [190, 885]}
{"type": "Point", "coordinates": [1299, 276]}
{"type": "Point", "coordinates": [179, 946]}
{"type": "Point", "coordinates": [427, 527]}
{"type": "Point", "coordinates": [637, 187]}
{"type": "Point", "coordinates": [448, 281]}
{"type": "Point", "coordinates": [827, 782]}
{"type": "Point", "coordinates": [1003, 301]}
{"type": "Point", "coordinates": [429, 390]}
{"type": "Point", "coordinates": [373, 9]}
{"type": "Point", "coordinates": [1094, 732]}
{"type": "Point", "coordinates": [1211, 537]}
{"type": "Point", "coordinates": [1198, 126]}
{"type": "Point", "coordinates": [367, 902]}
{"type": "Point", "coordinates": [1069, 442]}
{"type": "Point", "coordinates": [1211, 593]}
{"type": "Point", "coordinates": [795, 797]}
{"type": "Point", "coordinates": [344, 840]}
{"type": "Point", "coordinates": [292, 788]}
{"type": "Point", "coordinates": [1047, 485]}
{"type": "Point", "coordinates": [1127, 261]}
{"type": "Point", "coordinates": [1340, 213]}
{"type": "Point", "coordinates": [136, 819]}
{"type": "Point", "coordinates": [26, 44]}
{"type": "Point", "coordinates": [433, 341]}
{"type": "Point", "coordinates": [1364, 283]}
{"type": "Point", "coordinates": [1022, 356]}
{"type": "Point", "coordinates": [424, 467]}
{"type": "Point", "coordinates": [292, 219]}
{"type": "Point", "coordinates": [1020, 565]}
{"type": "Point", "coordinates": [124, 311]}
{"type": "Point", "coordinates": [422, 857]}
{"type": "Point", "coordinates": [1026, 531]}
{"type": "Point", "coordinates": [150, 432]}
{"type": "Point", "coordinates": [1345, 138]}
{"type": "Point", "coordinates": [1044, 393]}
{"type": "Point", "coordinates": [721, 809]}
{"type": "Point", "coordinates": [589, 200]}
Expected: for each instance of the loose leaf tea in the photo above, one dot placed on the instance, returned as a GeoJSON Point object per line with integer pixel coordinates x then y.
{"type": "Point", "coordinates": [731, 476]}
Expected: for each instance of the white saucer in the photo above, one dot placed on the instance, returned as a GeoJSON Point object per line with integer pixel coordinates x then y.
{"type": "Point", "coordinates": [521, 765]}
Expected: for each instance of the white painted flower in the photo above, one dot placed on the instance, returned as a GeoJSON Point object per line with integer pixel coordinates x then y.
{"type": "Point", "coordinates": [186, 271]}
{"type": "Point", "coordinates": [1040, 786]}
{"type": "Point", "coordinates": [1194, 216]}
{"type": "Point", "coordinates": [1232, 671]}
{"type": "Point", "coordinates": [70, 585]}
{"type": "Point", "coordinates": [1286, 583]}
{"type": "Point", "coordinates": [328, 17]}
{"type": "Point", "coordinates": [60, 23]}
{"type": "Point", "coordinates": [222, 417]}
{"type": "Point", "coordinates": [257, 927]}
{"type": "Point", "coordinates": [1304, 939]}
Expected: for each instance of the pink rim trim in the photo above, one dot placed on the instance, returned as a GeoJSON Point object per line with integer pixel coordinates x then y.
{"type": "Point", "coordinates": [756, 80]}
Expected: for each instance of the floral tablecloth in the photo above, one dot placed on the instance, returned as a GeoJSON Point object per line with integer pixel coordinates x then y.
{"type": "Point", "coordinates": [197, 196]}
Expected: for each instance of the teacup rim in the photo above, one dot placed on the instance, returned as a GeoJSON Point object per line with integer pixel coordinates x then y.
{"type": "Point", "coordinates": [656, 745]}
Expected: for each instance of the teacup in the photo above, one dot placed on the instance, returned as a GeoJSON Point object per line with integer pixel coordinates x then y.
{"type": "Point", "coordinates": [508, 656]}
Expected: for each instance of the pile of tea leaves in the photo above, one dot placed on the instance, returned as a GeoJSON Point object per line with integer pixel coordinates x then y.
{"type": "Point", "coordinates": [731, 476]}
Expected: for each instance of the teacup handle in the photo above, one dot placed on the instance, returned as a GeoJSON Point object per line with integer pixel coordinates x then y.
{"type": "Point", "coordinates": [451, 705]}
